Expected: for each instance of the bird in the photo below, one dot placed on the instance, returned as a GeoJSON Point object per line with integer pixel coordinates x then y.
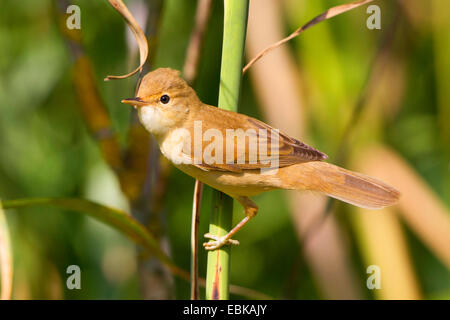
{"type": "Point", "coordinates": [240, 155]}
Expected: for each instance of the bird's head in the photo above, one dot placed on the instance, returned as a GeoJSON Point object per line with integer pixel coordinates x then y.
{"type": "Point", "coordinates": [163, 100]}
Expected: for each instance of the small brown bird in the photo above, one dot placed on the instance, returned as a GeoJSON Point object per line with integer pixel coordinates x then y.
{"type": "Point", "coordinates": [239, 155]}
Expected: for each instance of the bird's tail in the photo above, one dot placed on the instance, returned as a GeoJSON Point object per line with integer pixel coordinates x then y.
{"type": "Point", "coordinates": [351, 187]}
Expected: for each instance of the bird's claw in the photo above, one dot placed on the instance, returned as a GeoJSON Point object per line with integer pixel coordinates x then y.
{"type": "Point", "coordinates": [218, 242]}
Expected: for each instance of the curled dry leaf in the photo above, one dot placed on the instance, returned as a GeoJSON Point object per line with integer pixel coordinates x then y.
{"type": "Point", "coordinates": [330, 13]}
{"type": "Point", "coordinates": [140, 37]}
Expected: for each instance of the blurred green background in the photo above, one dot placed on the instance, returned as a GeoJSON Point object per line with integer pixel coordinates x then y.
{"type": "Point", "coordinates": [46, 150]}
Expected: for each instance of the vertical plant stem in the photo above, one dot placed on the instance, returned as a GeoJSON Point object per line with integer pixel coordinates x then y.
{"type": "Point", "coordinates": [6, 259]}
{"type": "Point", "coordinates": [190, 69]}
{"type": "Point", "coordinates": [235, 27]}
{"type": "Point", "coordinates": [196, 205]}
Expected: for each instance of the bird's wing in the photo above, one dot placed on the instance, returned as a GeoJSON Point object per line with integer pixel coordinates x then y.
{"type": "Point", "coordinates": [235, 142]}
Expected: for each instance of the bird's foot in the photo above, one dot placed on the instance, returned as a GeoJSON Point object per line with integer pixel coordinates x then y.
{"type": "Point", "coordinates": [218, 242]}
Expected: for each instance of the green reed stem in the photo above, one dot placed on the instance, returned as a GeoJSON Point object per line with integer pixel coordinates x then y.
{"type": "Point", "coordinates": [235, 27]}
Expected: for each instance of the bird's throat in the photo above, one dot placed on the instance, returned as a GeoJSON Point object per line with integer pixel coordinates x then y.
{"type": "Point", "coordinates": [155, 120]}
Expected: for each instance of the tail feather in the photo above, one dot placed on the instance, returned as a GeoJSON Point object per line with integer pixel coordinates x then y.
{"type": "Point", "coordinates": [345, 185]}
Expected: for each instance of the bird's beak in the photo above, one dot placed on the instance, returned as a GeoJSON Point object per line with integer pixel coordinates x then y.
{"type": "Point", "coordinates": [134, 101]}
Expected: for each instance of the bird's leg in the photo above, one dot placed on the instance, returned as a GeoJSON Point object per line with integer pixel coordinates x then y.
{"type": "Point", "coordinates": [250, 210]}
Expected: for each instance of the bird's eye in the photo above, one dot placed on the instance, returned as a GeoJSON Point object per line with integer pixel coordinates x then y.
{"type": "Point", "coordinates": [164, 99]}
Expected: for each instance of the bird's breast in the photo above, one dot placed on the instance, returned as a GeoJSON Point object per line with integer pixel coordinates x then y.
{"type": "Point", "coordinates": [175, 145]}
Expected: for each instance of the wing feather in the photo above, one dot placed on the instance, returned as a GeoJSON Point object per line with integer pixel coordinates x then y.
{"type": "Point", "coordinates": [246, 155]}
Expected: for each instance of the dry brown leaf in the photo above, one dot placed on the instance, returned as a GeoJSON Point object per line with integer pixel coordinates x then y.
{"type": "Point", "coordinates": [140, 37]}
{"type": "Point", "coordinates": [330, 13]}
